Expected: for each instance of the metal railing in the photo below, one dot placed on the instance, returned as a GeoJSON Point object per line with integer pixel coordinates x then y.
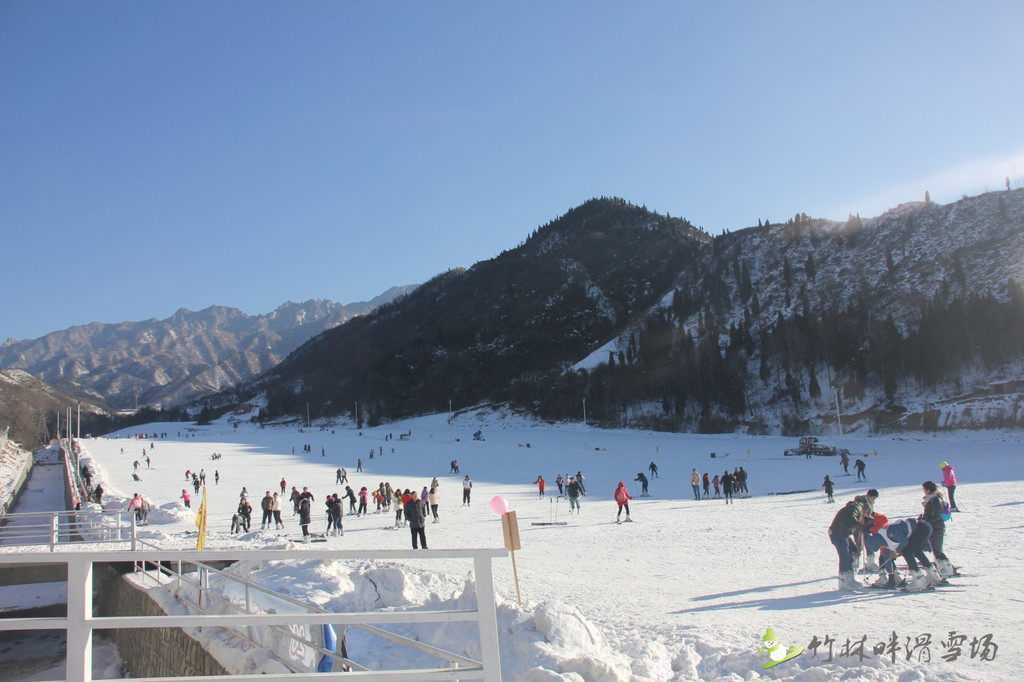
{"type": "Point", "coordinates": [155, 564]}
{"type": "Point", "coordinates": [55, 528]}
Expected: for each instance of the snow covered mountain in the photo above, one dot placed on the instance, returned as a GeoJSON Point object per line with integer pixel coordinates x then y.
{"type": "Point", "coordinates": [29, 408]}
{"type": "Point", "coordinates": [913, 319]}
{"type": "Point", "coordinates": [173, 361]}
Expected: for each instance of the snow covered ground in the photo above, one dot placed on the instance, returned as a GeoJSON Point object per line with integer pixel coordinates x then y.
{"type": "Point", "coordinates": [685, 592]}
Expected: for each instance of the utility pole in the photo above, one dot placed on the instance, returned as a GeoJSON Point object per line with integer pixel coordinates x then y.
{"type": "Point", "coordinates": [584, 411]}
{"type": "Point", "coordinates": [839, 416]}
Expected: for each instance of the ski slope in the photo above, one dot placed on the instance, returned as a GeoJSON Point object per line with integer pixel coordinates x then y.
{"type": "Point", "coordinates": [685, 592]}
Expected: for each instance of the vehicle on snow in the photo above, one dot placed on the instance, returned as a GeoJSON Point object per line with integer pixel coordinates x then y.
{"type": "Point", "coordinates": [809, 445]}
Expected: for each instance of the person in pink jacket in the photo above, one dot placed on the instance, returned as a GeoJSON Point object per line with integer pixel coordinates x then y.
{"type": "Point", "coordinates": [622, 497]}
{"type": "Point", "coordinates": [949, 483]}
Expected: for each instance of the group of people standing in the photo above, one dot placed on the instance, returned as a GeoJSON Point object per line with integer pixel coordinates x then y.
{"type": "Point", "coordinates": [857, 526]}
{"type": "Point", "coordinates": [411, 508]}
{"type": "Point", "coordinates": [727, 485]}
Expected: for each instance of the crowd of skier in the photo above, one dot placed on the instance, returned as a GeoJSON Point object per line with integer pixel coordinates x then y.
{"type": "Point", "coordinates": [857, 529]}
{"type": "Point", "coordinates": [858, 532]}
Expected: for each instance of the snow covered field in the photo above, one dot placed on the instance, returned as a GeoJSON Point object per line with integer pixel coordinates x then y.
{"type": "Point", "coordinates": [685, 592]}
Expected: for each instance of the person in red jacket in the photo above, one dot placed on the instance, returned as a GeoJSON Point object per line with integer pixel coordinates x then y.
{"type": "Point", "coordinates": [540, 485]}
{"type": "Point", "coordinates": [622, 498]}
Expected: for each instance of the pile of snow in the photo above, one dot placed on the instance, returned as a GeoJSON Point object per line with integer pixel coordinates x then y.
{"type": "Point", "coordinates": [685, 592]}
{"type": "Point", "coordinates": [13, 461]}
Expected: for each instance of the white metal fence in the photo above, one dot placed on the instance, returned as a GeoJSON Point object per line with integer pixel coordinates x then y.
{"type": "Point", "coordinates": [164, 565]}
{"type": "Point", "coordinates": [56, 528]}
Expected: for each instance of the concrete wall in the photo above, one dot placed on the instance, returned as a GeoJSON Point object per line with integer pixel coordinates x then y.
{"type": "Point", "coordinates": [151, 652]}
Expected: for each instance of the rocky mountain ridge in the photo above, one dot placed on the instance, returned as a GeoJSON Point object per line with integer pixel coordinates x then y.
{"type": "Point", "coordinates": [175, 360]}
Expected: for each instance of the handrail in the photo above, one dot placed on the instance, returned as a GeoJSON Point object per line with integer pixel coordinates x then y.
{"type": "Point", "coordinates": [52, 529]}
{"type": "Point", "coordinates": [80, 621]}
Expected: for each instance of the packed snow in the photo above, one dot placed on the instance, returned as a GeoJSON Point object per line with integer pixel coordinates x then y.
{"type": "Point", "coordinates": [685, 591]}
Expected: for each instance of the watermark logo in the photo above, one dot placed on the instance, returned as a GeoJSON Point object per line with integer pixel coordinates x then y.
{"type": "Point", "coordinates": [776, 652]}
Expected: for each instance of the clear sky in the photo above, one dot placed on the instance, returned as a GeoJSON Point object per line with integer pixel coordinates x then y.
{"type": "Point", "coordinates": [159, 155]}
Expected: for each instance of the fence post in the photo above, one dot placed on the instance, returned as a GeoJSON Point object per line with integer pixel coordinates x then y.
{"type": "Point", "coordinates": [79, 633]}
{"type": "Point", "coordinates": [488, 619]}
{"type": "Point", "coordinates": [54, 532]}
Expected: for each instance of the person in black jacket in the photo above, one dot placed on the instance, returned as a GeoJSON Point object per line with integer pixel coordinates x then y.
{"type": "Point", "coordinates": [727, 483]}
{"type": "Point", "coordinates": [934, 508]}
{"type": "Point", "coordinates": [573, 490]}
{"type": "Point", "coordinates": [336, 510]}
{"type": "Point", "coordinates": [305, 513]}
{"type": "Point", "coordinates": [845, 523]}
{"type": "Point", "coordinates": [416, 516]}
{"type": "Point", "coordinates": [245, 511]}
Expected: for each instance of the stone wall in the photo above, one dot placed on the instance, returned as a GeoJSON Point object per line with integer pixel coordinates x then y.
{"type": "Point", "coordinates": [151, 652]}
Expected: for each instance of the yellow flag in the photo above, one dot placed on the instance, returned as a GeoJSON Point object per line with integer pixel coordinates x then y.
{"type": "Point", "coordinates": [201, 522]}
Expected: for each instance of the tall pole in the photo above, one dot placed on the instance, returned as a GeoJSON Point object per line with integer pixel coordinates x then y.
{"type": "Point", "coordinates": [839, 416]}
{"type": "Point", "coordinates": [584, 411]}
{"type": "Point", "coordinates": [449, 411]}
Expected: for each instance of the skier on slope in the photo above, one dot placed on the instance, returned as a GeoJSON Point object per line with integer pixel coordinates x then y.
{"type": "Point", "coordinates": [572, 491]}
{"type": "Point", "coordinates": [829, 486]}
{"type": "Point", "coordinates": [741, 478]}
{"type": "Point", "coordinates": [727, 483]}
{"type": "Point", "coordinates": [275, 510]}
{"type": "Point", "coordinates": [434, 499]}
{"type": "Point", "coordinates": [643, 483]}
{"type": "Point", "coordinates": [622, 498]}
{"type": "Point", "coordinates": [337, 511]}
{"type": "Point", "coordinates": [868, 500]}
{"type": "Point", "coordinates": [934, 510]}
{"type": "Point", "coordinates": [949, 483]}
{"type": "Point", "coordinates": [908, 537]}
{"type": "Point", "coordinates": [847, 520]}
{"type": "Point", "coordinates": [540, 484]}
{"type": "Point", "coordinates": [267, 506]}
{"type": "Point", "coordinates": [305, 504]}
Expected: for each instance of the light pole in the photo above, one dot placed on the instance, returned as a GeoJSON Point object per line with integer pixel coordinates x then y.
{"type": "Point", "coordinates": [839, 415]}
{"type": "Point", "coordinates": [584, 411]}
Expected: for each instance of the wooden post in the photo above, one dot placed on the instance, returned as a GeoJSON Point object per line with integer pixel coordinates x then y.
{"type": "Point", "coordinates": [510, 529]}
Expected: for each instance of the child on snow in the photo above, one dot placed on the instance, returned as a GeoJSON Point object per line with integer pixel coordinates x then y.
{"type": "Point", "coordinates": [622, 498]}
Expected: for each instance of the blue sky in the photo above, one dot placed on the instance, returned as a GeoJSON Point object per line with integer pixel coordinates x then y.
{"type": "Point", "coordinates": [159, 155]}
